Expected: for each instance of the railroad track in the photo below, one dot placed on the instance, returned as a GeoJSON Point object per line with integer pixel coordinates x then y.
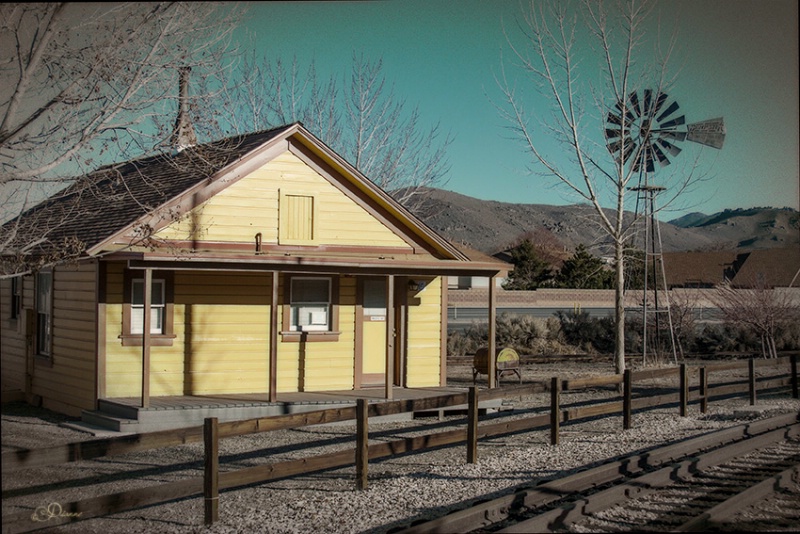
{"type": "Point", "coordinates": [692, 485]}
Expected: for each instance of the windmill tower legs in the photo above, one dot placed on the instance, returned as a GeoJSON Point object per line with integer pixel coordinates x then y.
{"type": "Point", "coordinates": [658, 333]}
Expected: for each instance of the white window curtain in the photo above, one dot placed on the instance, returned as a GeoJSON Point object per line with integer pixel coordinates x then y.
{"type": "Point", "coordinates": [157, 306]}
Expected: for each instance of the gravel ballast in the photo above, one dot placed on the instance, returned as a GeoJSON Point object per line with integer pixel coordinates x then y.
{"type": "Point", "coordinates": [400, 489]}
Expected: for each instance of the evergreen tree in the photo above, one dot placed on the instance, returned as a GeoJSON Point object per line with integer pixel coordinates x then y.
{"type": "Point", "coordinates": [584, 271]}
{"type": "Point", "coordinates": [530, 271]}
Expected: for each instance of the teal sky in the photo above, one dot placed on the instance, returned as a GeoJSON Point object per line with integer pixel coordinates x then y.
{"type": "Point", "coordinates": [737, 59]}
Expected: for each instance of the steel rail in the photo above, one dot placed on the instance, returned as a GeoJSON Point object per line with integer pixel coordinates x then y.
{"type": "Point", "coordinates": [580, 509]}
{"type": "Point", "coordinates": [487, 513]}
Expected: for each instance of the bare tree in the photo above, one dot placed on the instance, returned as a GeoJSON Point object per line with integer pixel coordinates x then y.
{"type": "Point", "coordinates": [90, 84]}
{"type": "Point", "coordinates": [759, 308]}
{"type": "Point", "coordinates": [582, 85]}
{"type": "Point", "coordinates": [359, 116]}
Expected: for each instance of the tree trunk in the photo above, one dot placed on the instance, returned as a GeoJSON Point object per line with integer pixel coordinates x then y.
{"type": "Point", "coordinates": [619, 309]}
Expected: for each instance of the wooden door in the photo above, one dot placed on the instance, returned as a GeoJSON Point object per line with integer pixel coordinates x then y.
{"type": "Point", "coordinates": [373, 342]}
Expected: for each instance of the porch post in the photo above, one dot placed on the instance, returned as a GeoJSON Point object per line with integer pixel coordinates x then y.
{"type": "Point", "coordinates": [389, 337]}
{"type": "Point", "coordinates": [273, 339]}
{"type": "Point", "coordinates": [492, 364]}
{"type": "Point", "coordinates": [148, 295]}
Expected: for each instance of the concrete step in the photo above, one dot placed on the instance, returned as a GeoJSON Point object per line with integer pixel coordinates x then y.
{"type": "Point", "coordinates": [100, 419]}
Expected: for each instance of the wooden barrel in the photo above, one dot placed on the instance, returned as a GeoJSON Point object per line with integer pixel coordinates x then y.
{"type": "Point", "coordinates": [506, 358]}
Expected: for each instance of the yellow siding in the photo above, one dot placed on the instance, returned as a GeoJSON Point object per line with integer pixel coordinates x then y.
{"type": "Point", "coordinates": [221, 345]}
{"type": "Point", "coordinates": [324, 365]}
{"type": "Point", "coordinates": [251, 206]}
{"type": "Point", "coordinates": [424, 337]}
{"type": "Point", "coordinates": [70, 382]}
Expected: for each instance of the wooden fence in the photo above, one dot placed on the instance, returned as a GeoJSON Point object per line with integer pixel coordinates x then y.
{"type": "Point", "coordinates": [213, 481]}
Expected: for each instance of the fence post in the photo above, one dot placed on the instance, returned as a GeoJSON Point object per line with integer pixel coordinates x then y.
{"type": "Point", "coordinates": [684, 385]}
{"type": "Point", "coordinates": [362, 443]}
{"type": "Point", "coordinates": [703, 390]}
{"type": "Point", "coordinates": [793, 363]}
{"type": "Point", "coordinates": [555, 409]}
{"type": "Point", "coordinates": [751, 368]}
{"type": "Point", "coordinates": [211, 470]}
{"type": "Point", "coordinates": [472, 426]}
{"type": "Point", "coordinates": [627, 399]}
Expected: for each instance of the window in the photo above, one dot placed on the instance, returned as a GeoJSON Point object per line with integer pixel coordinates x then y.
{"type": "Point", "coordinates": [16, 297]}
{"type": "Point", "coordinates": [44, 310]}
{"type": "Point", "coordinates": [162, 301]}
{"type": "Point", "coordinates": [298, 218]}
{"type": "Point", "coordinates": [311, 308]}
{"type": "Point", "coordinates": [310, 304]}
{"type": "Point", "coordinates": [157, 307]}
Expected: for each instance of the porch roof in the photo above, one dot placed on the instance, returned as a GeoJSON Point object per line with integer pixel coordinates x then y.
{"type": "Point", "coordinates": [315, 262]}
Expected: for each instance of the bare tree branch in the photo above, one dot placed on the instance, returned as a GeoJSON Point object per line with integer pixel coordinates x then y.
{"type": "Point", "coordinates": [551, 54]}
{"type": "Point", "coordinates": [87, 85]}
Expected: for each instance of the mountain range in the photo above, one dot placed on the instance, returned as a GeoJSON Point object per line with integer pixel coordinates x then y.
{"type": "Point", "coordinates": [490, 226]}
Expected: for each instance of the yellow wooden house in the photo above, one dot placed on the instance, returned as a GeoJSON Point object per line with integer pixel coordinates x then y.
{"type": "Point", "coordinates": [250, 267]}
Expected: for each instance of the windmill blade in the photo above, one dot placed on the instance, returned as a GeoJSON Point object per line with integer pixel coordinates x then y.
{"type": "Point", "coordinates": [672, 149]}
{"type": "Point", "coordinates": [648, 95]}
{"type": "Point", "coordinates": [710, 133]}
{"type": "Point", "coordinates": [630, 147]}
{"type": "Point", "coordinates": [676, 136]}
{"type": "Point", "coordinates": [674, 122]}
{"type": "Point", "coordinates": [633, 98]}
{"type": "Point", "coordinates": [669, 111]}
{"type": "Point", "coordinates": [618, 145]}
{"type": "Point", "coordinates": [612, 133]}
{"type": "Point", "coordinates": [614, 119]}
{"type": "Point", "coordinates": [629, 115]}
{"type": "Point", "coordinates": [662, 158]}
{"type": "Point", "coordinates": [660, 99]}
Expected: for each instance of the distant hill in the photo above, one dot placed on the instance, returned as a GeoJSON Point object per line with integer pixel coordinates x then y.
{"type": "Point", "coordinates": [490, 226]}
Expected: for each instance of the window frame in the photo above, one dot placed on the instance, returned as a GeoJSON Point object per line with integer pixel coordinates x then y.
{"type": "Point", "coordinates": [289, 330]}
{"type": "Point", "coordinates": [44, 315]}
{"type": "Point", "coordinates": [166, 337]}
{"type": "Point", "coordinates": [16, 298]}
{"type": "Point", "coordinates": [156, 326]}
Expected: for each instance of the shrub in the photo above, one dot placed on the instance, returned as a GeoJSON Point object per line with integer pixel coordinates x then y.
{"type": "Point", "coordinates": [592, 334]}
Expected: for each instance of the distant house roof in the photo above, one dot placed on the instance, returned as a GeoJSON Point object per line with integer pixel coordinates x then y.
{"type": "Point", "coordinates": [698, 269]}
{"type": "Point", "coordinates": [777, 267]}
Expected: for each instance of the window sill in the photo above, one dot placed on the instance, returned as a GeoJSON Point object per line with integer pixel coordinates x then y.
{"type": "Point", "coordinates": [156, 340]}
{"type": "Point", "coordinates": [292, 336]}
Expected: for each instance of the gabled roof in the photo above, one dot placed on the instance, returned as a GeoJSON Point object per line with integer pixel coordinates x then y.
{"type": "Point", "coordinates": [115, 196]}
{"type": "Point", "coordinates": [698, 269]}
{"type": "Point", "coordinates": [776, 267]}
{"type": "Point", "coordinates": [144, 195]}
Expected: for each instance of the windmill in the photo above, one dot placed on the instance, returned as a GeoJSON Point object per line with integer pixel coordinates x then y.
{"type": "Point", "coordinates": [642, 131]}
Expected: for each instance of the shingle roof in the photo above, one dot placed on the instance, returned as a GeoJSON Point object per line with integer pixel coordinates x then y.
{"type": "Point", "coordinates": [777, 267]}
{"type": "Point", "coordinates": [698, 269]}
{"type": "Point", "coordinates": [109, 199]}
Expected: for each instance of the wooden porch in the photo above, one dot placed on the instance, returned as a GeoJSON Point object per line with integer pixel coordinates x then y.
{"type": "Point", "coordinates": [125, 414]}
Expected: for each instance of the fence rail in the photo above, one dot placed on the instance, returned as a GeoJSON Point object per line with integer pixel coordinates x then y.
{"type": "Point", "coordinates": [213, 481]}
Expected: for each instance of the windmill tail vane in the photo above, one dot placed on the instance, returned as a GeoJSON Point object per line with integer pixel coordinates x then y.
{"type": "Point", "coordinates": [647, 128]}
